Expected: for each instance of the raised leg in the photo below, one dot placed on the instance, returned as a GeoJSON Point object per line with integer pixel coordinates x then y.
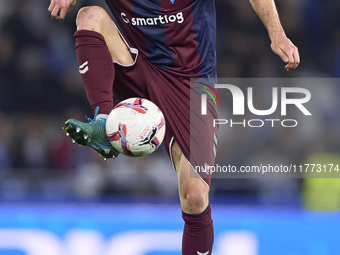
{"type": "Point", "coordinates": [98, 45]}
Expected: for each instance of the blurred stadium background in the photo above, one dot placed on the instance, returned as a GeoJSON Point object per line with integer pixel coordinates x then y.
{"type": "Point", "coordinates": [57, 198]}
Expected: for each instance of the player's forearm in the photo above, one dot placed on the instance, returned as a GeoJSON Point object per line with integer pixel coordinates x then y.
{"type": "Point", "coordinates": [267, 12]}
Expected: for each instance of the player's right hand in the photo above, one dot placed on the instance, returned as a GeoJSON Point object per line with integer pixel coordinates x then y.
{"type": "Point", "coordinates": [59, 8]}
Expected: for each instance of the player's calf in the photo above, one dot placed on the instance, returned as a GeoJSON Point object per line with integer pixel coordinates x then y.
{"type": "Point", "coordinates": [198, 233]}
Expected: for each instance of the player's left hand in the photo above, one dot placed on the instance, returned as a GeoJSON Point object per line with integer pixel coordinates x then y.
{"type": "Point", "coordinates": [287, 51]}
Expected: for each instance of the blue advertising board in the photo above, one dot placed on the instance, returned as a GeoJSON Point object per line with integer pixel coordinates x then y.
{"type": "Point", "coordinates": [141, 229]}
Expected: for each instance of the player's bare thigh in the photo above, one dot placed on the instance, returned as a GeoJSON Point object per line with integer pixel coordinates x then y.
{"type": "Point", "coordinates": [193, 192]}
{"type": "Point", "coordinates": [97, 19]}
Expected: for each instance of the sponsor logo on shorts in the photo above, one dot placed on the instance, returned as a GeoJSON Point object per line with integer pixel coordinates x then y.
{"type": "Point", "coordinates": [153, 21]}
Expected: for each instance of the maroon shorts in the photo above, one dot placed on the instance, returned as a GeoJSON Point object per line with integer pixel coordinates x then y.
{"type": "Point", "coordinates": [193, 132]}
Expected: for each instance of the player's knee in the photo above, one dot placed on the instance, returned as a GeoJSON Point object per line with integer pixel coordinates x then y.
{"type": "Point", "coordinates": [194, 202]}
{"type": "Point", "coordinates": [91, 18]}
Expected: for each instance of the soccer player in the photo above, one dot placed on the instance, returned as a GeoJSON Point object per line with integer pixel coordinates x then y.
{"type": "Point", "coordinates": [152, 51]}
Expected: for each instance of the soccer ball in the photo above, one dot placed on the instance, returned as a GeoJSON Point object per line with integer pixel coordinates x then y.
{"type": "Point", "coordinates": [135, 127]}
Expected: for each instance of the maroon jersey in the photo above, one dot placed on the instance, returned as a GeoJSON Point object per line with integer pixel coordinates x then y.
{"type": "Point", "coordinates": [177, 36]}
